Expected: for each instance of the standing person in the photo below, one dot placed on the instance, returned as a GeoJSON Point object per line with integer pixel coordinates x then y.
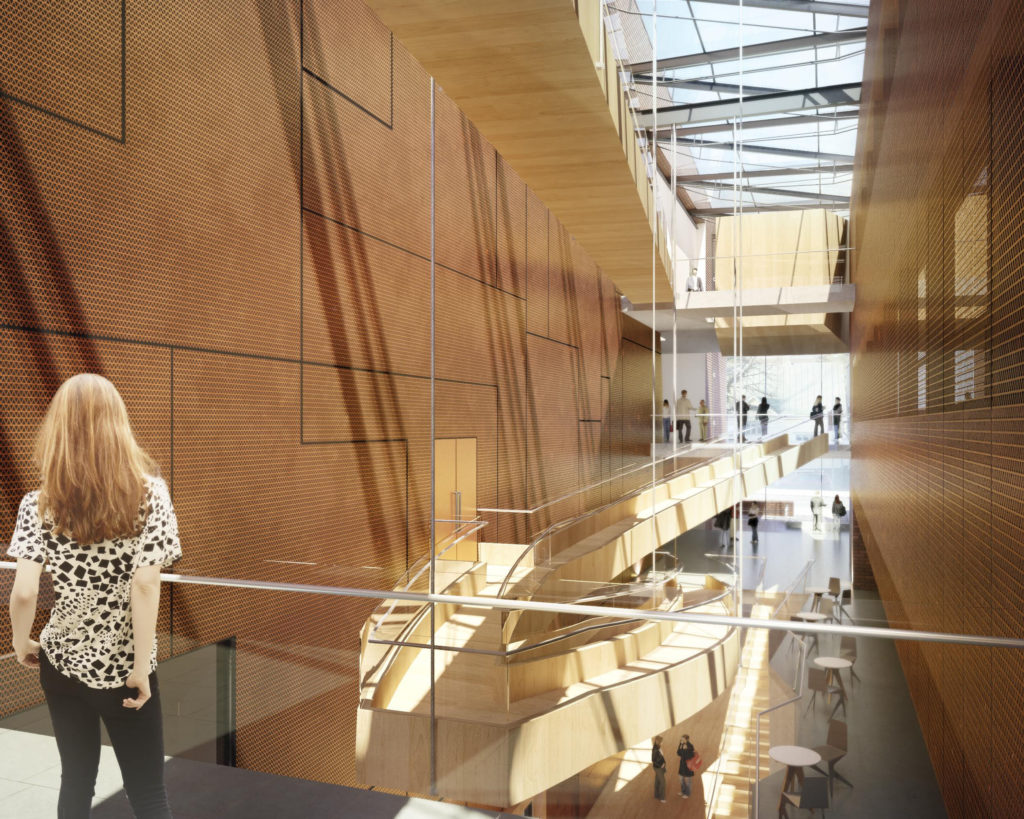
{"type": "Point", "coordinates": [703, 417]}
{"type": "Point", "coordinates": [762, 415]}
{"type": "Point", "coordinates": [753, 518]}
{"type": "Point", "coordinates": [104, 524]}
{"type": "Point", "coordinates": [658, 761]}
{"type": "Point", "coordinates": [686, 752]}
{"type": "Point", "coordinates": [683, 411]}
{"type": "Point", "coordinates": [837, 416]}
{"type": "Point", "coordinates": [666, 421]}
{"type": "Point", "coordinates": [742, 408]}
{"type": "Point", "coordinates": [818, 416]}
{"type": "Point", "coordinates": [693, 282]}
{"type": "Point", "coordinates": [838, 511]}
{"type": "Point", "coordinates": [723, 521]}
{"type": "Point", "coordinates": [817, 504]}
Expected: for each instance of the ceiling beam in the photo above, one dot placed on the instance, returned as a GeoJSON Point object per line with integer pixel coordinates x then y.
{"type": "Point", "coordinates": [806, 195]}
{"type": "Point", "coordinates": [760, 149]}
{"type": "Point", "coordinates": [806, 6]}
{"type": "Point", "coordinates": [830, 38]}
{"type": "Point", "coordinates": [780, 102]}
{"type": "Point", "coordinates": [708, 213]}
{"type": "Point", "coordinates": [751, 124]}
{"type": "Point", "coordinates": [704, 85]}
{"type": "Point", "coordinates": [726, 175]}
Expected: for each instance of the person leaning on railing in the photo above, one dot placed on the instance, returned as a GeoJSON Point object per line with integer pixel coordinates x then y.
{"type": "Point", "coordinates": [104, 524]}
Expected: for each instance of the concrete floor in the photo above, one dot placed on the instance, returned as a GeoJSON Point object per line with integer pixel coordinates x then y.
{"type": "Point", "coordinates": [886, 760]}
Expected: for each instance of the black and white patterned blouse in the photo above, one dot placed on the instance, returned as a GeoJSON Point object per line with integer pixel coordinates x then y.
{"type": "Point", "coordinates": [89, 635]}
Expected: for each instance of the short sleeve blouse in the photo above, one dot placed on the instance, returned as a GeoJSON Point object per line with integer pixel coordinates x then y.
{"type": "Point", "coordinates": [89, 635]}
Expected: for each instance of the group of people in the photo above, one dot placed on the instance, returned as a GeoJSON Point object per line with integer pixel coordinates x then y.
{"type": "Point", "coordinates": [818, 416]}
{"type": "Point", "coordinates": [760, 412]}
{"type": "Point", "coordinates": [818, 511]}
{"type": "Point", "coordinates": [723, 521]}
{"type": "Point", "coordinates": [689, 763]}
{"type": "Point", "coordinates": [684, 410]}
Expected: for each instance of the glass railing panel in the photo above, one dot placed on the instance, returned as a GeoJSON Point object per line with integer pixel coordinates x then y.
{"type": "Point", "coordinates": [289, 686]}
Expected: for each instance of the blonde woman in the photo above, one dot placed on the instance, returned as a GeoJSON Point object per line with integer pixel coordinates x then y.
{"type": "Point", "coordinates": [103, 523]}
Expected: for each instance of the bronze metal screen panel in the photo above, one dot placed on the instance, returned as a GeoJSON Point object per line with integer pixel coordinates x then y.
{"type": "Point", "coordinates": [63, 58]}
{"type": "Point", "coordinates": [561, 285]}
{"type": "Point", "coordinates": [162, 238]}
{"type": "Point", "coordinates": [366, 303]}
{"type": "Point", "coordinates": [553, 438]}
{"type": "Point", "coordinates": [511, 248]}
{"type": "Point", "coordinates": [260, 505]}
{"type": "Point", "coordinates": [346, 47]}
{"type": "Point", "coordinates": [465, 199]}
{"type": "Point", "coordinates": [938, 371]}
{"type": "Point", "coordinates": [362, 173]}
{"type": "Point", "coordinates": [537, 250]}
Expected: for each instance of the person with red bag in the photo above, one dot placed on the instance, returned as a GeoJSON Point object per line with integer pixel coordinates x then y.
{"type": "Point", "coordinates": [689, 762]}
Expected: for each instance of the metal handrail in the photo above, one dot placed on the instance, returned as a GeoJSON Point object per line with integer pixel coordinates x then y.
{"type": "Point", "coordinates": [792, 587]}
{"type": "Point", "coordinates": [476, 526]}
{"type": "Point", "coordinates": [550, 640]}
{"type": "Point", "coordinates": [569, 608]}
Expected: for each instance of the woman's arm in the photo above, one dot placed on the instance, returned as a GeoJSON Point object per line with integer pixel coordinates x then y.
{"type": "Point", "coordinates": [24, 595]}
{"type": "Point", "coordinates": [145, 604]}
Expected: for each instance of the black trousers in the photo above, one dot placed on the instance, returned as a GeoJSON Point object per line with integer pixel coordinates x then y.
{"type": "Point", "coordinates": [680, 423]}
{"type": "Point", "coordinates": [137, 736]}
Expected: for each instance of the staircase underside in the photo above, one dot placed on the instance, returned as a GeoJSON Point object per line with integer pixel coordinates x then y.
{"type": "Point", "coordinates": [525, 74]}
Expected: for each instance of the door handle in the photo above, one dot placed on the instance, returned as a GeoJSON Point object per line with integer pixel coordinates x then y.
{"type": "Point", "coordinates": [458, 504]}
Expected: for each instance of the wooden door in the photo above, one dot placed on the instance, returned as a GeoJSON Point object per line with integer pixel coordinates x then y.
{"type": "Point", "coordinates": [465, 489]}
{"type": "Point", "coordinates": [454, 494]}
{"type": "Point", "coordinates": [445, 461]}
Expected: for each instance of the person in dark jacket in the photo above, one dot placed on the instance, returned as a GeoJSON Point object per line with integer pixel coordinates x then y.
{"type": "Point", "coordinates": [723, 521]}
{"type": "Point", "coordinates": [742, 408]}
{"type": "Point", "coordinates": [658, 761]}
{"type": "Point", "coordinates": [838, 511]}
{"type": "Point", "coordinates": [818, 416]}
{"type": "Point", "coordinates": [753, 518]}
{"type": "Point", "coordinates": [837, 416]}
{"type": "Point", "coordinates": [685, 752]}
{"type": "Point", "coordinates": [762, 415]}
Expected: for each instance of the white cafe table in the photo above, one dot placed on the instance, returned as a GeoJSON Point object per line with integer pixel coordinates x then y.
{"type": "Point", "coordinates": [818, 592]}
{"type": "Point", "coordinates": [832, 666]}
{"type": "Point", "coordinates": [795, 758]}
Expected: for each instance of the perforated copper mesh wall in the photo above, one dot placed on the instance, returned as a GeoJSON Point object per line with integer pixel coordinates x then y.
{"type": "Point", "coordinates": [246, 254]}
{"type": "Point", "coordinates": [938, 375]}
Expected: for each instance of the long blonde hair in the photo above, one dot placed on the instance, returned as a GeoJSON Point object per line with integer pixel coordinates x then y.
{"type": "Point", "coordinates": [93, 470]}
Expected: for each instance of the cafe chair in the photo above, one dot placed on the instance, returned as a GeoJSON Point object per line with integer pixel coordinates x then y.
{"type": "Point", "coordinates": [813, 796]}
{"type": "Point", "coordinates": [848, 651]}
{"type": "Point", "coordinates": [839, 595]}
{"type": "Point", "coordinates": [832, 751]}
{"type": "Point", "coordinates": [817, 683]}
